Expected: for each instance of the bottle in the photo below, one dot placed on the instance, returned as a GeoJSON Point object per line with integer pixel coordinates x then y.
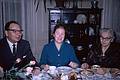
{"type": "Point", "coordinates": [94, 4]}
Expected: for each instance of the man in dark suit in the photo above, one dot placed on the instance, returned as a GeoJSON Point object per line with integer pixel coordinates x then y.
{"type": "Point", "coordinates": [19, 55]}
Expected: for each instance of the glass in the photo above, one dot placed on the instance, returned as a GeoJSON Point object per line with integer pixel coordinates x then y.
{"type": "Point", "coordinates": [15, 31]}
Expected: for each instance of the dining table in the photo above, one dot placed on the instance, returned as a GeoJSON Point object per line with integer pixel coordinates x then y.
{"type": "Point", "coordinates": [64, 73]}
{"type": "Point", "coordinates": [68, 73]}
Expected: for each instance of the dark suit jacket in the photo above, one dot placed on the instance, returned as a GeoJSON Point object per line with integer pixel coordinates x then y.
{"type": "Point", "coordinates": [7, 59]}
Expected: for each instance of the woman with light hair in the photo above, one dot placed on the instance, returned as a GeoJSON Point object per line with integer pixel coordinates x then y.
{"type": "Point", "coordinates": [106, 53]}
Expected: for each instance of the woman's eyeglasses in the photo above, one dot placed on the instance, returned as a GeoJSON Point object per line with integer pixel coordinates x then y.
{"type": "Point", "coordinates": [105, 38]}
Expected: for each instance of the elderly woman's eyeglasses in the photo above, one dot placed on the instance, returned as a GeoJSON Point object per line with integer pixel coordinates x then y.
{"type": "Point", "coordinates": [105, 38]}
{"type": "Point", "coordinates": [15, 31]}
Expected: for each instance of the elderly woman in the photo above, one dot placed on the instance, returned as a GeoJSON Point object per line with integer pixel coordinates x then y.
{"type": "Point", "coordinates": [106, 53]}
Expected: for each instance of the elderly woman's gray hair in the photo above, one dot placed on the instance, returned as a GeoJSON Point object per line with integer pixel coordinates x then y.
{"type": "Point", "coordinates": [109, 30]}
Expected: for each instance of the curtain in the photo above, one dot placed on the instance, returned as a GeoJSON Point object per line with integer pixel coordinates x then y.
{"type": "Point", "coordinates": [9, 10]}
{"type": "Point", "coordinates": [32, 17]}
{"type": "Point", "coordinates": [111, 17]}
{"type": "Point", "coordinates": [36, 25]}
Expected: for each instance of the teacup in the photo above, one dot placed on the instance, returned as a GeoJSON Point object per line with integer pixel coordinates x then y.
{"type": "Point", "coordinates": [95, 66]}
{"type": "Point", "coordinates": [52, 69]}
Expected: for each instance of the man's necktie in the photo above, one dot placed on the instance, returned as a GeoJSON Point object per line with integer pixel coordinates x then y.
{"type": "Point", "coordinates": [14, 49]}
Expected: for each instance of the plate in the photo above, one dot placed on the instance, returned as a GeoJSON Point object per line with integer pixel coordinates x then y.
{"type": "Point", "coordinates": [81, 18]}
{"type": "Point", "coordinates": [64, 68]}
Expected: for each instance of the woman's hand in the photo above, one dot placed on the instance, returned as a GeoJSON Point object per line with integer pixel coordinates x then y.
{"type": "Point", "coordinates": [73, 64]}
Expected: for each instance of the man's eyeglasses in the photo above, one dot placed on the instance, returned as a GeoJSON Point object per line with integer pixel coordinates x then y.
{"type": "Point", "coordinates": [15, 31]}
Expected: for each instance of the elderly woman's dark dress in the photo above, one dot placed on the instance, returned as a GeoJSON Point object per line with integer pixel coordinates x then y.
{"type": "Point", "coordinates": [111, 58]}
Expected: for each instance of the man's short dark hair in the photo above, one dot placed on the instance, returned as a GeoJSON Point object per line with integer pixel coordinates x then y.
{"type": "Point", "coordinates": [7, 25]}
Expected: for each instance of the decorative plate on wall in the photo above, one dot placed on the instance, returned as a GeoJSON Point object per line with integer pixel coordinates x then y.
{"type": "Point", "coordinates": [81, 18]}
